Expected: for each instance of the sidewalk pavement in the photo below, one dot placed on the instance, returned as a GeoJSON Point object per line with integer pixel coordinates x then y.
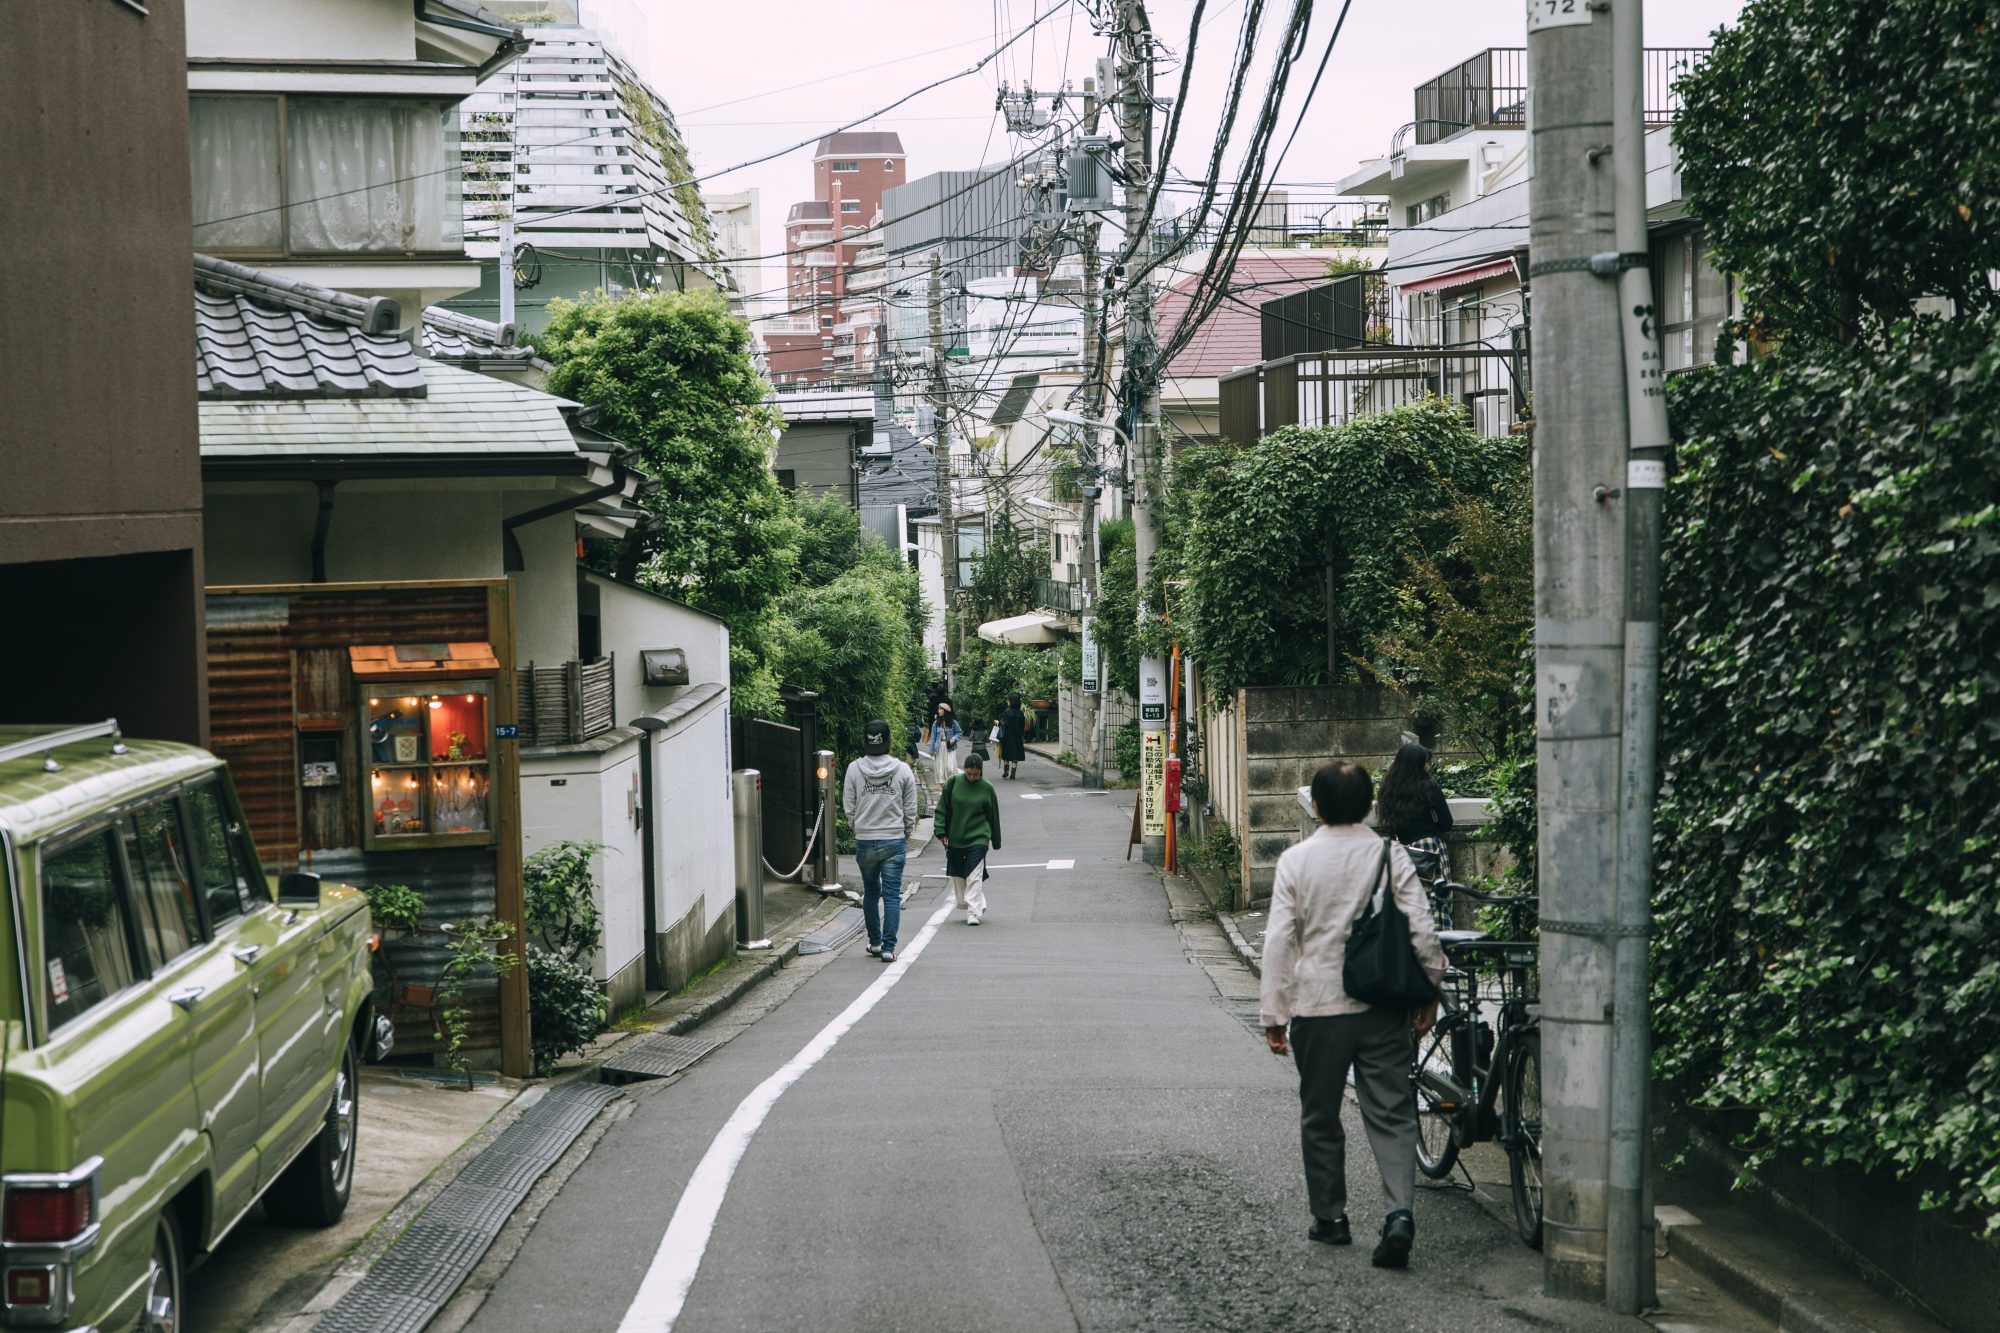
{"type": "Point", "coordinates": [1776, 1279]}
{"type": "Point", "coordinates": [422, 1127]}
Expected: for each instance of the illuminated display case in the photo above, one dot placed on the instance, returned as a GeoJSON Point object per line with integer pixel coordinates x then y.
{"type": "Point", "coordinates": [428, 750]}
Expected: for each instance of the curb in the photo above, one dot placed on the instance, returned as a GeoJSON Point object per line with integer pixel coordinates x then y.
{"type": "Point", "coordinates": [1779, 1281]}
{"type": "Point", "coordinates": [1248, 956]}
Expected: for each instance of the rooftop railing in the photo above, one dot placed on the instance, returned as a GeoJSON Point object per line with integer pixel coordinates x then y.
{"type": "Point", "coordinates": [1490, 91]}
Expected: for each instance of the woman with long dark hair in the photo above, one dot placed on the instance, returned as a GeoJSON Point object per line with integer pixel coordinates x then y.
{"type": "Point", "coordinates": [1013, 724]}
{"type": "Point", "coordinates": [1412, 810]}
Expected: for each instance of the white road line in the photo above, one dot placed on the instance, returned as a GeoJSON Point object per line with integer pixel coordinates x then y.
{"type": "Point", "coordinates": [1063, 865]}
{"type": "Point", "coordinates": [1036, 865]}
{"type": "Point", "coordinates": [1030, 796]}
{"type": "Point", "coordinates": [664, 1291]}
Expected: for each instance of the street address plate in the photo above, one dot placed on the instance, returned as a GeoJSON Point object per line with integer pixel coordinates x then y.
{"type": "Point", "coordinates": [506, 731]}
{"type": "Point", "coordinates": [1557, 13]}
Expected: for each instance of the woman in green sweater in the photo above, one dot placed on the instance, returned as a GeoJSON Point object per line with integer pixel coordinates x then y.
{"type": "Point", "coordinates": [967, 822]}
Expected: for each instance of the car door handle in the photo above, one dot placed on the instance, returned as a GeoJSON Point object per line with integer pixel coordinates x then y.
{"type": "Point", "coordinates": [247, 954]}
{"type": "Point", "coordinates": [186, 996]}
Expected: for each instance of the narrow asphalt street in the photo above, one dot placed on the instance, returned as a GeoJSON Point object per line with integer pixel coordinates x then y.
{"type": "Point", "coordinates": [1050, 1121]}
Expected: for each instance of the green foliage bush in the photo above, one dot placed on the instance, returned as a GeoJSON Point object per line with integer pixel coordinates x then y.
{"type": "Point", "coordinates": [1879, 182]}
{"type": "Point", "coordinates": [989, 672]}
{"type": "Point", "coordinates": [1125, 748]}
{"type": "Point", "coordinates": [1115, 619]}
{"type": "Point", "coordinates": [395, 906]}
{"type": "Point", "coordinates": [1003, 578]}
{"type": "Point", "coordinates": [566, 1006]}
{"type": "Point", "coordinates": [561, 902]}
{"type": "Point", "coordinates": [1253, 530]}
{"type": "Point", "coordinates": [858, 641]}
{"type": "Point", "coordinates": [1828, 883]}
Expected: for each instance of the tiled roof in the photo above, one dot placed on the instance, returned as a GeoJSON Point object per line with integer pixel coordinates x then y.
{"type": "Point", "coordinates": [452, 336]}
{"type": "Point", "coordinates": [862, 143]}
{"type": "Point", "coordinates": [1232, 336]}
{"type": "Point", "coordinates": [465, 414]}
{"type": "Point", "coordinates": [262, 335]}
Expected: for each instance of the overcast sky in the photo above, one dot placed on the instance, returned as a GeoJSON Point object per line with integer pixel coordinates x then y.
{"type": "Point", "coordinates": [746, 77]}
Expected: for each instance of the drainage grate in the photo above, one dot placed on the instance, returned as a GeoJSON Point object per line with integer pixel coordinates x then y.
{"type": "Point", "coordinates": [657, 1056]}
{"type": "Point", "coordinates": [408, 1285]}
{"type": "Point", "coordinates": [834, 933]}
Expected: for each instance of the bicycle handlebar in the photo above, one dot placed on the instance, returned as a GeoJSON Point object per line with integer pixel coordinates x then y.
{"type": "Point", "coordinates": [1503, 899]}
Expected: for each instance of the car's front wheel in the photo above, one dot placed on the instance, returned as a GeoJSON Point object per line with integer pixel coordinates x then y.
{"type": "Point", "coordinates": [313, 1190]}
{"type": "Point", "coordinates": [162, 1311]}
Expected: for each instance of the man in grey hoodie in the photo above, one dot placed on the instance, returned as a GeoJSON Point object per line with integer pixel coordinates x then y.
{"type": "Point", "coordinates": [879, 795]}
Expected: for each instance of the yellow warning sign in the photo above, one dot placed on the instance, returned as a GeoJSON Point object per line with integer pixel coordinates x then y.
{"type": "Point", "coordinates": [1153, 782]}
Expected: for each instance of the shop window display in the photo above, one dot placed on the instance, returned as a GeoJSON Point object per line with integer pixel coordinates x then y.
{"type": "Point", "coordinates": [430, 763]}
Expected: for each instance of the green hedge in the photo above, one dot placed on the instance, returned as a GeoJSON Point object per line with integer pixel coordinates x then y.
{"type": "Point", "coordinates": [1828, 887]}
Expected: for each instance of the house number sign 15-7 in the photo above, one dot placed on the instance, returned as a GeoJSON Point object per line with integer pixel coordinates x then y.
{"type": "Point", "coordinates": [1557, 13]}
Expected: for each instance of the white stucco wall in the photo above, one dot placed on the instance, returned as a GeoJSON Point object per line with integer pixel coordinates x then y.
{"type": "Point", "coordinates": [592, 796]}
{"type": "Point", "coordinates": [631, 619]}
{"type": "Point", "coordinates": [545, 591]}
{"type": "Point", "coordinates": [693, 841]}
{"type": "Point", "coordinates": [301, 30]}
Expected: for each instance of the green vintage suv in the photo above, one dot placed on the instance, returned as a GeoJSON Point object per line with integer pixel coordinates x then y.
{"type": "Point", "coordinates": [180, 1036]}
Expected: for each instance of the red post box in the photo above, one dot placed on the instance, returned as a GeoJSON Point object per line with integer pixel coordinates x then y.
{"type": "Point", "coordinates": [1173, 784]}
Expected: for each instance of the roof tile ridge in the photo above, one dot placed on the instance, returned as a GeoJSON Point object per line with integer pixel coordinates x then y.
{"type": "Point", "coordinates": [373, 314]}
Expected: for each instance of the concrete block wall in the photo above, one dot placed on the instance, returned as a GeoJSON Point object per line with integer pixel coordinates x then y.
{"type": "Point", "coordinates": [1072, 710]}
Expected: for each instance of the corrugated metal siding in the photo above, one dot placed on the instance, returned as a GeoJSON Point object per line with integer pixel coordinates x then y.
{"type": "Point", "coordinates": [457, 883]}
{"type": "Point", "coordinates": [403, 615]}
{"type": "Point", "coordinates": [250, 727]}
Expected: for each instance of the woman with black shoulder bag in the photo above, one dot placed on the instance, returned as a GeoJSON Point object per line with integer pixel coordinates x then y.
{"type": "Point", "coordinates": [1351, 965]}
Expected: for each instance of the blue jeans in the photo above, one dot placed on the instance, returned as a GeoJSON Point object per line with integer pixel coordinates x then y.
{"type": "Point", "coordinates": [881, 861]}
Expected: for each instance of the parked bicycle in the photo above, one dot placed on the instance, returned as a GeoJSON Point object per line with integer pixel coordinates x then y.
{"type": "Point", "coordinates": [1485, 1048]}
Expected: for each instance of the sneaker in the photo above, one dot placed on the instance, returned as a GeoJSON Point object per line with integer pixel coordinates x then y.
{"type": "Point", "coordinates": [1331, 1231]}
{"type": "Point", "coordinates": [1399, 1232]}
{"type": "Point", "coordinates": [874, 948]}
{"type": "Point", "coordinates": [972, 918]}
{"type": "Point", "coordinates": [888, 955]}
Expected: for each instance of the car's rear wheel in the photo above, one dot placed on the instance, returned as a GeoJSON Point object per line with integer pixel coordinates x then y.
{"type": "Point", "coordinates": [313, 1190]}
{"type": "Point", "coordinates": [162, 1311]}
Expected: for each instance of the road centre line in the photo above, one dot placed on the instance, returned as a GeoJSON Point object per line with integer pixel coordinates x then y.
{"type": "Point", "coordinates": [675, 1264]}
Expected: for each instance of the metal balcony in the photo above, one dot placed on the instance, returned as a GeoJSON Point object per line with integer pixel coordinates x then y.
{"type": "Point", "coordinates": [1490, 91]}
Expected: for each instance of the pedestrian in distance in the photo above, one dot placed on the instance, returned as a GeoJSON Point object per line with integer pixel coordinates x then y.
{"type": "Point", "coordinates": [1323, 885]}
{"type": "Point", "coordinates": [967, 822]}
{"type": "Point", "coordinates": [1412, 809]}
{"type": "Point", "coordinates": [879, 794]}
{"type": "Point", "coordinates": [945, 735]}
{"type": "Point", "coordinates": [1013, 737]}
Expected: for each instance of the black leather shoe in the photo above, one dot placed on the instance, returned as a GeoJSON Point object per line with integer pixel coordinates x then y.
{"type": "Point", "coordinates": [1331, 1231]}
{"type": "Point", "coordinates": [1398, 1234]}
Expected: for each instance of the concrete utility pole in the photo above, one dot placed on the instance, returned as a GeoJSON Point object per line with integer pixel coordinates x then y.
{"type": "Point", "coordinates": [1093, 408]}
{"type": "Point", "coordinates": [1580, 541]}
{"type": "Point", "coordinates": [1135, 124]}
{"type": "Point", "coordinates": [1628, 1274]}
{"type": "Point", "coordinates": [941, 452]}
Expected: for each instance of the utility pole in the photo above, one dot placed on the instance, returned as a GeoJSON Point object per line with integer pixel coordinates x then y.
{"type": "Point", "coordinates": [1135, 124]}
{"type": "Point", "coordinates": [504, 275]}
{"type": "Point", "coordinates": [1093, 408]}
{"type": "Point", "coordinates": [1580, 542]}
{"type": "Point", "coordinates": [941, 453]}
{"type": "Point", "coordinates": [1629, 1283]}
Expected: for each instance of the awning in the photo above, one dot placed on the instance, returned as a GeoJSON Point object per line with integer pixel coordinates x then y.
{"type": "Point", "coordinates": [1027, 630]}
{"type": "Point", "coordinates": [421, 661]}
{"type": "Point", "coordinates": [1459, 277]}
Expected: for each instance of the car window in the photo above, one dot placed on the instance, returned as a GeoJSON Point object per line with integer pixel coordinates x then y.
{"type": "Point", "coordinates": [163, 896]}
{"type": "Point", "coordinates": [219, 864]}
{"type": "Point", "coordinates": [84, 938]}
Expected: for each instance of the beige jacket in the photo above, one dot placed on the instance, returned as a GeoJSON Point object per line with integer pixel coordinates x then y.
{"type": "Point", "coordinates": [1317, 896]}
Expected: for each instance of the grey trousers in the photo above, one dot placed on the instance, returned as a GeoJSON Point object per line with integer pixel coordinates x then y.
{"type": "Point", "coordinates": [1376, 1044]}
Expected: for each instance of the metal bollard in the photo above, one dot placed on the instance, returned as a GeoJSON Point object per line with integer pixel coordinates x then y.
{"type": "Point", "coordinates": [747, 793]}
{"type": "Point", "coordinates": [826, 861]}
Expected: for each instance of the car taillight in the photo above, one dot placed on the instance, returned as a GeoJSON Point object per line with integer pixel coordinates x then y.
{"type": "Point", "coordinates": [30, 1286]}
{"type": "Point", "coordinates": [42, 1216]}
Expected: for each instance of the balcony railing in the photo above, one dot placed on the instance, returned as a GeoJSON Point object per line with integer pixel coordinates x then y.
{"type": "Point", "coordinates": [1490, 91]}
{"type": "Point", "coordinates": [1059, 595]}
{"type": "Point", "coordinates": [1288, 226]}
{"type": "Point", "coordinates": [1334, 388]}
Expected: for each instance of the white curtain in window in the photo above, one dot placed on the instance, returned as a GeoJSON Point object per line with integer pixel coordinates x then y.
{"type": "Point", "coordinates": [368, 174]}
{"type": "Point", "coordinates": [235, 162]}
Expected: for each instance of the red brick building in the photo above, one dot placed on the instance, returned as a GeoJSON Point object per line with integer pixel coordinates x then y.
{"type": "Point", "coordinates": [831, 327]}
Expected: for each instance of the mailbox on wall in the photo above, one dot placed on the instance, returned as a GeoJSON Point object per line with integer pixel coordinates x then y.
{"type": "Point", "coordinates": [663, 666]}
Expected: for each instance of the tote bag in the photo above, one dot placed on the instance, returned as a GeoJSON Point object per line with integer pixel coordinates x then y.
{"type": "Point", "coordinates": [1380, 968]}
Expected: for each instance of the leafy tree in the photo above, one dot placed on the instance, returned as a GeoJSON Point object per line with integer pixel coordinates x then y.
{"type": "Point", "coordinates": [673, 377]}
{"type": "Point", "coordinates": [1846, 158]}
{"type": "Point", "coordinates": [1115, 619]}
{"type": "Point", "coordinates": [830, 538]}
{"type": "Point", "coordinates": [1465, 617]}
{"type": "Point", "coordinates": [989, 672]}
{"type": "Point", "coordinates": [858, 641]}
{"type": "Point", "coordinates": [1003, 578]}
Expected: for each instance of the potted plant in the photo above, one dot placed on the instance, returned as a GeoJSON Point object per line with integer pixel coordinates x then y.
{"type": "Point", "coordinates": [398, 909]}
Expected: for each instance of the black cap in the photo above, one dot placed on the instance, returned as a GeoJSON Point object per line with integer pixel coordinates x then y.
{"type": "Point", "coordinates": [875, 737]}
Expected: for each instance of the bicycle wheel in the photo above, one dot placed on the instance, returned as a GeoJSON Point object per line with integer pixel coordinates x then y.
{"type": "Point", "coordinates": [1437, 1105]}
{"type": "Point", "coordinates": [1524, 1135]}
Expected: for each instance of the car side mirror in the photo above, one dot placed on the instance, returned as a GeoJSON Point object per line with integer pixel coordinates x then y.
{"type": "Point", "coordinates": [298, 886]}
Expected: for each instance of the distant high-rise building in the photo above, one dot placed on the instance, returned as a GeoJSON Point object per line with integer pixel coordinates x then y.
{"type": "Point", "coordinates": [734, 220]}
{"type": "Point", "coordinates": [831, 326]}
